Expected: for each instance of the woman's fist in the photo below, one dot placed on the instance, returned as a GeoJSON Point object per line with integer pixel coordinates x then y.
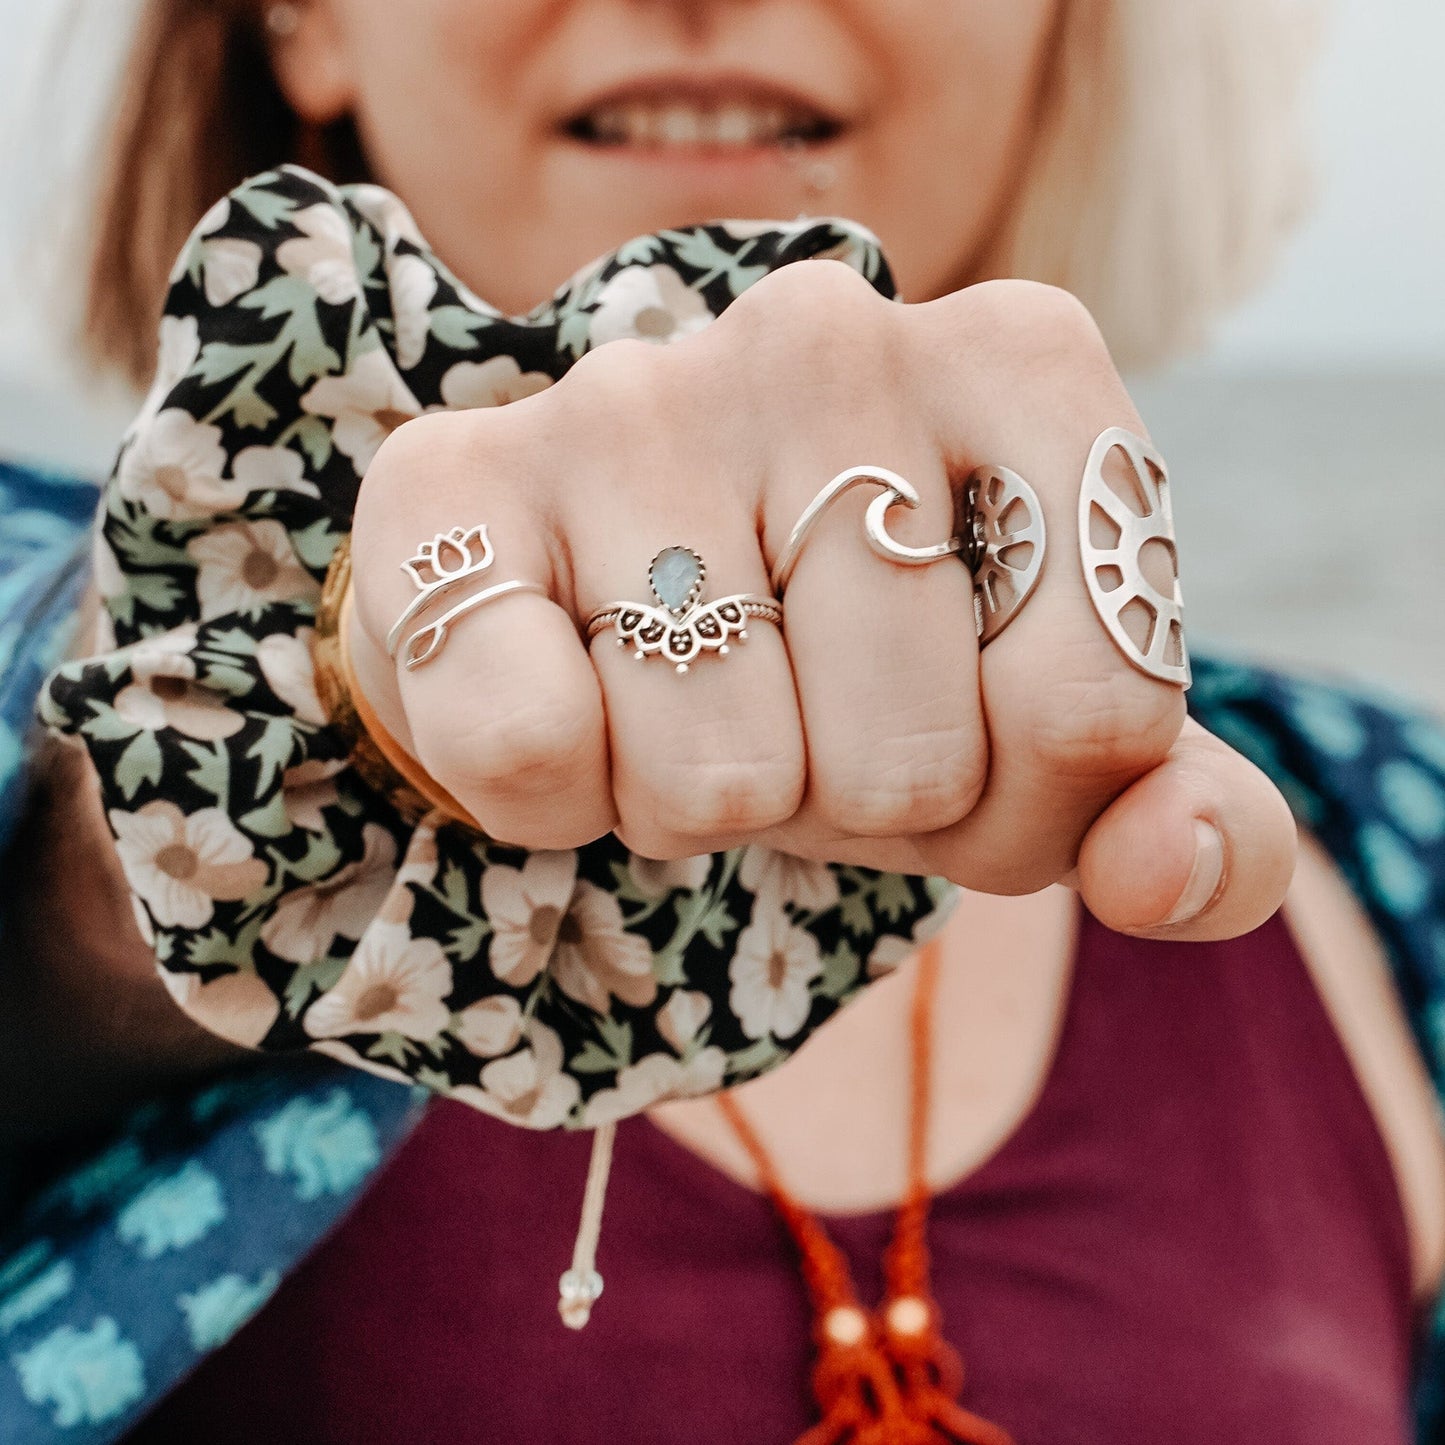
{"type": "Point", "coordinates": [869, 728]}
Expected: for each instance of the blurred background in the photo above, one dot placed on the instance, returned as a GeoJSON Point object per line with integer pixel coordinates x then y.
{"type": "Point", "coordinates": [1307, 443]}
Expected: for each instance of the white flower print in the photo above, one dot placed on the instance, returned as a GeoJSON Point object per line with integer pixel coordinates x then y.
{"type": "Point", "coordinates": [162, 652]}
{"type": "Point", "coordinates": [105, 568]}
{"type": "Point", "coordinates": [653, 1080]}
{"type": "Point", "coordinates": [271, 469]}
{"type": "Point", "coordinates": [679, 1019]}
{"type": "Point", "coordinates": [528, 1087]}
{"type": "Point", "coordinates": [322, 255]}
{"type": "Point", "coordinates": [891, 950]}
{"type": "Point", "coordinates": [491, 1026]}
{"type": "Point", "coordinates": [143, 922]}
{"type": "Point", "coordinates": [543, 916]}
{"type": "Point", "coordinates": [165, 694]}
{"type": "Point", "coordinates": [245, 567]}
{"type": "Point", "coordinates": [173, 468]}
{"type": "Point", "coordinates": [770, 972]}
{"type": "Point", "coordinates": [393, 983]}
{"type": "Point", "coordinates": [287, 664]}
{"type": "Point", "coordinates": [887, 954]}
{"type": "Point", "coordinates": [307, 921]}
{"type": "Point", "coordinates": [365, 405]}
{"type": "Point", "coordinates": [651, 303]}
{"type": "Point", "coordinates": [780, 878]}
{"type": "Point", "coordinates": [308, 788]}
{"type": "Point", "coordinates": [208, 225]}
{"type": "Point", "coordinates": [654, 879]}
{"type": "Point", "coordinates": [746, 230]}
{"type": "Point", "coordinates": [413, 284]}
{"type": "Point", "coordinates": [180, 345]}
{"type": "Point", "coordinates": [596, 956]}
{"type": "Point", "coordinates": [386, 212]}
{"type": "Point", "coordinates": [525, 907]}
{"type": "Point", "coordinates": [181, 864]}
{"type": "Point", "coordinates": [231, 266]}
{"type": "Point", "coordinates": [493, 382]}
{"type": "Point", "coordinates": [238, 1006]}
{"type": "Point", "coordinates": [419, 868]}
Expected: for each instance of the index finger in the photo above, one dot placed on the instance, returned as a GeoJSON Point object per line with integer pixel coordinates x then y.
{"type": "Point", "coordinates": [503, 709]}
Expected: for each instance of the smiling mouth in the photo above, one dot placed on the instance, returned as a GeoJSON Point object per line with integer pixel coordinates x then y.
{"type": "Point", "coordinates": [689, 122]}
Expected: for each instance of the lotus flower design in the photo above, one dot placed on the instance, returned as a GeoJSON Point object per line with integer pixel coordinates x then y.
{"type": "Point", "coordinates": [450, 556]}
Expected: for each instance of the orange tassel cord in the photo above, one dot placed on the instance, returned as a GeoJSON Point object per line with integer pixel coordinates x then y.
{"type": "Point", "coordinates": [885, 1376]}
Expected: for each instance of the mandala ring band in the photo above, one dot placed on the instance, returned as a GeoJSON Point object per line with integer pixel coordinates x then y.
{"type": "Point", "coordinates": [680, 628]}
{"type": "Point", "coordinates": [1130, 554]}
{"type": "Point", "coordinates": [439, 567]}
{"type": "Point", "coordinates": [999, 536]}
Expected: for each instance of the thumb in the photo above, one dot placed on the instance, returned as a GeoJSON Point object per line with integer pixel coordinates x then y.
{"type": "Point", "coordinates": [1202, 847]}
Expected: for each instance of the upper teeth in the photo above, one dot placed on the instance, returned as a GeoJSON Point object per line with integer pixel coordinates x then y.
{"type": "Point", "coordinates": [688, 123]}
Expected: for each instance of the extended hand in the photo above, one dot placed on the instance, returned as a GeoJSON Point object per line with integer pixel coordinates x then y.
{"type": "Point", "coordinates": [870, 729]}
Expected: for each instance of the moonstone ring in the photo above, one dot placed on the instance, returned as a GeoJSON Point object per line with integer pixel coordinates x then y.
{"type": "Point", "coordinates": [680, 628]}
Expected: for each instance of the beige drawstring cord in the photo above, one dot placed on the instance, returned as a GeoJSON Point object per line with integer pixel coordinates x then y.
{"type": "Point", "coordinates": [581, 1285]}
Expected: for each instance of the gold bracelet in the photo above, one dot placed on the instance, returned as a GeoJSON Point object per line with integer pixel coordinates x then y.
{"type": "Point", "coordinates": [379, 759]}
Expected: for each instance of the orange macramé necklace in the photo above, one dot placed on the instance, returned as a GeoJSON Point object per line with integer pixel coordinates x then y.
{"type": "Point", "coordinates": [884, 1376]}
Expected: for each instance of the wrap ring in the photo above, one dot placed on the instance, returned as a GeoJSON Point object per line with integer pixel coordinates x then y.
{"type": "Point", "coordinates": [999, 536]}
{"type": "Point", "coordinates": [440, 566]}
{"type": "Point", "coordinates": [680, 628]}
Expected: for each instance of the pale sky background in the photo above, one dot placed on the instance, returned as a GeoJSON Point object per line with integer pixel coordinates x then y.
{"type": "Point", "coordinates": [1316, 418]}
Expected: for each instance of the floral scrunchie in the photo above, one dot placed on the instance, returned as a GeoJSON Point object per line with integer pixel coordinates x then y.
{"type": "Point", "coordinates": [288, 905]}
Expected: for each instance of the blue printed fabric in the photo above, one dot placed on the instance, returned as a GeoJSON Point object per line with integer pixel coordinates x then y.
{"type": "Point", "coordinates": [42, 547]}
{"type": "Point", "coordinates": [138, 1253]}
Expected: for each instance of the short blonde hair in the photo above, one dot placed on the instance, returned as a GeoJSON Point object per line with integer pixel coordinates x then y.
{"type": "Point", "coordinates": [1166, 167]}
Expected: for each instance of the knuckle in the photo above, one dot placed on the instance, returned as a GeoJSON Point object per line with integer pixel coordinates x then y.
{"type": "Point", "coordinates": [431, 441]}
{"type": "Point", "coordinates": [618, 387]}
{"type": "Point", "coordinates": [808, 303]}
{"type": "Point", "coordinates": [625, 369]}
{"type": "Point", "coordinates": [539, 747]}
{"type": "Point", "coordinates": [908, 797]}
{"type": "Point", "coordinates": [1031, 320]}
{"type": "Point", "coordinates": [1108, 727]}
{"type": "Point", "coordinates": [727, 799]}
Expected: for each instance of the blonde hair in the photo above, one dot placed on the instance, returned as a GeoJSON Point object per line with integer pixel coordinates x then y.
{"type": "Point", "coordinates": [1166, 167]}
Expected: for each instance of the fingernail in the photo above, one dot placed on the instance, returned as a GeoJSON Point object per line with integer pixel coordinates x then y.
{"type": "Point", "coordinates": [1204, 877]}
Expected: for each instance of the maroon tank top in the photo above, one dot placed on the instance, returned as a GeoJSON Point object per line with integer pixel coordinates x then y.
{"type": "Point", "coordinates": [1194, 1236]}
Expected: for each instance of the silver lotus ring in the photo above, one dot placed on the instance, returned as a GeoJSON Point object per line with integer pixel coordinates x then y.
{"type": "Point", "coordinates": [438, 567]}
{"type": "Point", "coordinates": [680, 628]}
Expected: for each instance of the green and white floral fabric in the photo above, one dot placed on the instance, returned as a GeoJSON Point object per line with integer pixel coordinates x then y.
{"type": "Point", "coordinates": [290, 908]}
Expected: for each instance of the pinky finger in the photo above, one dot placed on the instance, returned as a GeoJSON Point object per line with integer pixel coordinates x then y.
{"type": "Point", "coordinates": [1202, 847]}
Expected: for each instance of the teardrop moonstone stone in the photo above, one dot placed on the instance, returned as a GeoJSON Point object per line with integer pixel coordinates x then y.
{"type": "Point", "coordinates": [675, 572]}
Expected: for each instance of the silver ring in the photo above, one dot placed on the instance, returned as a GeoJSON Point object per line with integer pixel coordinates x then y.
{"type": "Point", "coordinates": [1126, 515]}
{"type": "Point", "coordinates": [1006, 521]}
{"type": "Point", "coordinates": [680, 628]}
{"type": "Point", "coordinates": [437, 567]}
{"type": "Point", "coordinates": [1001, 537]}
{"type": "Point", "coordinates": [896, 492]}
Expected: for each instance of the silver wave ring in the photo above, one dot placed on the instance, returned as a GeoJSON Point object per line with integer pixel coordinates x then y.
{"type": "Point", "coordinates": [999, 537]}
